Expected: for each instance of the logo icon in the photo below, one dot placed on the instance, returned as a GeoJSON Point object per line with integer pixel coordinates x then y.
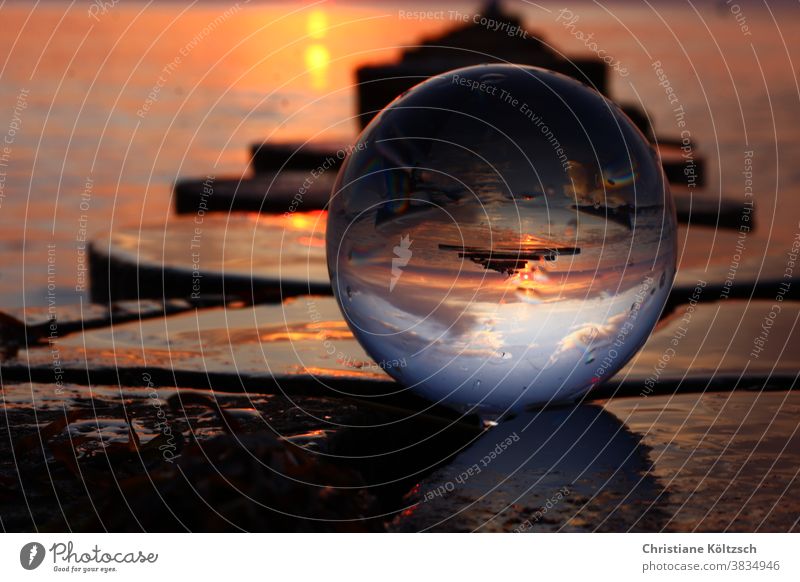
{"type": "Point", "coordinates": [402, 254]}
{"type": "Point", "coordinates": [31, 555]}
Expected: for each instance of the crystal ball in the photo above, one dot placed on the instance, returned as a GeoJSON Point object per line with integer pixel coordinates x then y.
{"type": "Point", "coordinates": [501, 237]}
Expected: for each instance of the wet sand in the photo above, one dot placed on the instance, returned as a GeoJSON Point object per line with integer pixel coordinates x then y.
{"type": "Point", "coordinates": [692, 462]}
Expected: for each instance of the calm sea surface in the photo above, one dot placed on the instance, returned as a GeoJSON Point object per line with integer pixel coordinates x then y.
{"type": "Point", "coordinates": [101, 111]}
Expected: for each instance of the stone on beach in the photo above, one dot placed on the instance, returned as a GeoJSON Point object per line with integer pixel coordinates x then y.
{"type": "Point", "coordinates": [31, 325]}
{"type": "Point", "coordinates": [258, 258]}
{"type": "Point", "coordinates": [299, 347]}
{"type": "Point", "coordinates": [303, 346]}
{"type": "Point", "coordinates": [750, 278]}
{"type": "Point", "coordinates": [249, 257]}
{"type": "Point", "coordinates": [680, 169]}
{"type": "Point", "coordinates": [38, 322]}
{"type": "Point", "coordinates": [724, 346]}
{"type": "Point", "coordinates": [277, 192]}
{"type": "Point", "coordinates": [696, 207]}
{"type": "Point", "coordinates": [274, 156]}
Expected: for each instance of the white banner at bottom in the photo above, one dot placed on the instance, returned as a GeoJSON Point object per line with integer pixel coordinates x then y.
{"type": "Point", "coordinates": [376, 557]}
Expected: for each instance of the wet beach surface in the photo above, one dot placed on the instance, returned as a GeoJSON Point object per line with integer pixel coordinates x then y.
{"type": "Point", "coordinates": [229, 447]}
{"type": "Point", "coordinates": [230, 416]}
{"type": "Point", "coordinates": [693, 462]}
{"type": "Point", "coordinates": [713, 462]}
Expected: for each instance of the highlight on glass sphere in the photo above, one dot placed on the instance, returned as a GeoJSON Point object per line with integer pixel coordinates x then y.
{"type": "Point", "coordinates": [506, 234]}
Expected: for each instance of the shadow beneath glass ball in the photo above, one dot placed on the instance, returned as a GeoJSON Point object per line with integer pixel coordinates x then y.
{"type": "Point", "coordinates": [574, 468]}
{"type": "Point", "coordinates": [396, 442]}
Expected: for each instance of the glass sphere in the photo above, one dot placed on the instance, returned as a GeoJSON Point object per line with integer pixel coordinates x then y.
{"type": "Point", "coordinates": [501, 236]}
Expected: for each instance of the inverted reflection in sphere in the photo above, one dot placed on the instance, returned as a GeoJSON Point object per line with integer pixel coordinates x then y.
{"type": "Point", "coordinates": [503, 236]}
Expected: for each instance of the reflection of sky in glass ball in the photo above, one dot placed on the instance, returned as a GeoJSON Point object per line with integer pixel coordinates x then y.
{"type": "Point", "coordinates": [506, 234]}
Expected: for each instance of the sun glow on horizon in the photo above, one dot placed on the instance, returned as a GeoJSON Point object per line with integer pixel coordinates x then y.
{"type": "Point", "coordinates": [317, 56]}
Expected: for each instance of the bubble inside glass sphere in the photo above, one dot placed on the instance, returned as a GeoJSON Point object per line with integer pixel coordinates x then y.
{"type": "Point", "coordinates": [501, 237]}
